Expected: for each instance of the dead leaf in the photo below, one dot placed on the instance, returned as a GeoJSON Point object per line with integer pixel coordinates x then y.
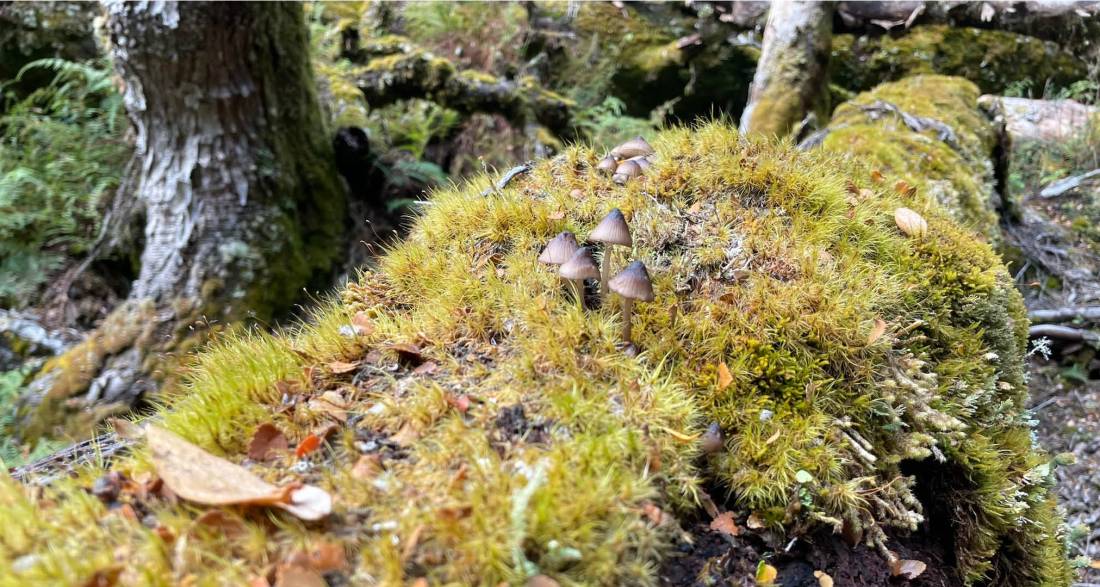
{"type": "Point", "coordinates": [1094, 564]}
{"type": "Point", "coordinates": [542, 581]}
{"type": "Point", "coordinates": [461, 403]}
{"type": "Point", "coordinates": [307, 445]}
{"type": "Point", "coordinates": [104, 577]}
{"type": "Point", "coordinates": [754, 521]}
{"type": "Point", "coordinates": [291, 576]}
{"type": "Point", "coordinates": [362, 323]}
{"type": "Point", "coordinates": [409, 547]}
{"type": "Point", "coordinates": [266, 441]}
{"type": "Point", "coordinates": [200, 477]}
{"type": "Point", "coordinates": [773, 437]}
{"type": "Point", "coordinates": [426, 369]}
{"type": "Point", "coordinates": [323, 557]}
{"type": "Point", "coordinates": [419, 582]}
{"type": "Point", "coordinates": [556, 215]}
{"type": "Point", "coordinates": [725, 378]}
{"type": "Point", "coordinates": [910, 222]}
{"type": "Point", "coordinates": [405, 436]}
{"type": "Point", "coordinates": [340, 367]}
{"type": "Point", "coordinates": [455, 513]}
{"type": "Point", "coordinates": [902, 187]}
{"type": "Point", "coordinates": [823, 579]}
{"type": "Point", "coordinates": [766, 574]}
{"type": "Point", "coordinates": [220, 523]}
{"type": "Point", "coordinates": [407, 354]}
{"type": "Point", "coordinates": [654, 513]}
{"type": "Point", "coordinates": [366, 467]}
{"type": "Point", "coordinates": [724, 524]}
{"type": "Point", "coordinates": [877, 176]}
{"type": "Point", "coordinates": [876, 332]}
{"type": "Point", "coordinates": [910, 569]}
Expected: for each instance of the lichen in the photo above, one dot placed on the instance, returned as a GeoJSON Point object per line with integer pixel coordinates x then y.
{"type": "Point", "coordinates": [989, 58]}
{"type": "Point", "coordinates": [954, 170]}
{"type": "Point", "coordinates": [512, 428]}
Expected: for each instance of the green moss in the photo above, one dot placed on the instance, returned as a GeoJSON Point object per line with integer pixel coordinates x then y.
{"type": "Point", "coordinates": [991, 59]}
{"type": "Point", "coordinates": [954, 171]}
{"type": "Point", "coordinates": [765, 259]}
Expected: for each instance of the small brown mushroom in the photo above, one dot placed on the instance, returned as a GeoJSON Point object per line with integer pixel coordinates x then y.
{"type": "Point", "coordinates": [579, 267]}
{"type": "Point", "coordinates": [607, 165]}
{"type": "Point", "coordinates": [611, 231]}
{"type": "Point", "coordinates": [632, 284]}
{"type": "Point", "coordinates": [625, 171]}
{"type": "Point", "coordinates": [713, 441]}
{"type": "Point", "coordinates": [635, 147]}
{"type": "Point", "coordinates": [560, 249]}
{"type": "Point", "coordinates": [642, 161]}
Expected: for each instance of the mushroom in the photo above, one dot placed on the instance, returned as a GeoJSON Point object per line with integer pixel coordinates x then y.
{"type": "Point", "coordinates": [579, 267]}
{"type": "Point", "coordinates": [625, 171]}
{"type": "Point", "coordinates": [642, 161]}
{"type": "Point", "coordinates": [559, 249]}
{"type": "Point", "coordinates": [713, 441]}
{"type": "Point", "coordinates": [632, 284]}
{"type": "Point", "coordinates": [632, 148]}
{"type": "Point", "coordinates": [607, 165]}
{"type": "Point", "coordinates": [611, 231]}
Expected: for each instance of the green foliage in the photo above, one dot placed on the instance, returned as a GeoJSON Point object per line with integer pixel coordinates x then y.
{"type": "Point", "coordinates": [606, 124]}
{"type": "Point", "coordinates": [487, 36]}
{"type": "Point", "coordinates": [61, 152]}
{"type": "Point", "coordinates": [11, 453]}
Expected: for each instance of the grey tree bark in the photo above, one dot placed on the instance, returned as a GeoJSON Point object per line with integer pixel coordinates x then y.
{"type": "Point", "coordinates": [790, 76]}
{"type": "Point", "coordinates": [234, 173]}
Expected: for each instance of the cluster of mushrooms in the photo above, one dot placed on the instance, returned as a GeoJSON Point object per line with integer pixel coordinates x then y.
{"type": "Point", "coordinates": [576, 264]}
{"type": "Point", "coordinates": [628, 160]}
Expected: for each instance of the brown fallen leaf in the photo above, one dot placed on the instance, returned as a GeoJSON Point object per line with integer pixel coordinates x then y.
{"type": "Point", "coordinates": [323, 557]}
{"type": "Point", "coordinates": [455, 513]}
{"type": "Point", "coordinates": [910, 569]}
{"type": "Point", "coordinates": [910, 222]}
{"type": "Point", "coordinates": [654, 513]}
{"type": "Point", "coordinates": [461, 402]}
{"type": "Point", "coordinates": [407, 354]}
{"type": "Point", "coordinates": [556, 215]}
{"type": "Point", "coordinates": [291, 576]}
{"type": "Point", "coordinates": [754, 521]}
{"type": "Point", "coordinates": [724, 524]}
{"type": "Point", "coordinates": [877, 176]}
{"type": "Point", "coordinates": [367, 467]}
{"type": "Point", "coordinates": [725, 378]}
{"type": "Point", "coordinates": [104, 577]}
{"type": "Point", "coordinates": [876, 332]}
{"type": "Point", "coordinates": [266, 441]}
{"type": "Point", "coordinates": [542, 581]}
{"type": "Point", "coordinates": [362, 323]}
{"type": "Point", "coordinates": [405, 436]}
{"type": "Point", "coordinates": [219, 523]}
{"type": "Point", "coordinates": [200, 477]}
{"type": "Point", "coordinates": [823, 579]}
{"type": "Point", "coordinates": [427, 368]}
{"type": "Point", "coordinates": [902, 187]}
{"type": "Point", "coordinates": [419, 582]}
{"type": "Point", "coordinates": [307, 445]}
{"type": "Point", "coordinates": [340, 367]}
{"type": "Point", "coordinates": [409, 546]}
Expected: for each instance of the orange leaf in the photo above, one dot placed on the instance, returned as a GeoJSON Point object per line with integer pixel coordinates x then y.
{"type": "Point", "coordinates": [339, 367]}
{"type": "Point", "coordinates": [910, 569]}
{"type": "Point", "coordinates": [725, 378]}
{"type": "Point", "coordinates": [877, 331]}
{"type": "Point", "coordinates": [323, 557]}
{"type": "Point", "coordinates": [877, 176]}
{"type": "Point", "coordinates": [307, 445]}
{"type": "Point", "coordinates": [362, 323]}
{"type": "Point", "coordinates": [292, 576]}
{"type": "Point", "coordinates": [366, 467]}
{"type": "Point", "coordinates": [724, 523]}
{"type": "Point", "coordinates": [266, 440]}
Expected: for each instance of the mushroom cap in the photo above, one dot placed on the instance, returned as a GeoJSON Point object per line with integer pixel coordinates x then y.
{"type": "Point", "coordinates": [642, 161]}
{"type": "Point", "coordinates": [580, 266]}
{"type": "Point", "coordinates": [632, 148]}
{"type": "Point", "coordinates": [559, 249]}
{"type": "Point", "coordinates": [633, 283]}
{"type": "Point", "coordinates": [607, 165]}
{"type": "Point", "coordinates": [626, 170]}
{"type": "Point", "coordinates": [613, 230]}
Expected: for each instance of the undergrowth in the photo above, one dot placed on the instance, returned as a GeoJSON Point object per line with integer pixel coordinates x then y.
{"type": "Point", "coordinates": [492, 429]}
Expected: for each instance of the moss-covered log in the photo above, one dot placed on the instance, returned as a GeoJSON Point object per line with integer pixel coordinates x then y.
{"type": "Point", "coordinates": [235, 178]}
{"type": "Point", "coordinates": [396, 70]}
{"type": "Point", "coordinates": [991, 59]}
{"type": "Point", "coordinates": [928, 131]}
{"type": "Point", "coordinates": [855, 378]}
{"type": "Point", "coordinates": [790, 76]}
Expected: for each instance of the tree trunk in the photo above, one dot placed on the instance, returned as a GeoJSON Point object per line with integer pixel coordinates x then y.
{"type": "Point", "coordinates": [235, 175]}
{"type": "Point", "coordinates": [791, 73]}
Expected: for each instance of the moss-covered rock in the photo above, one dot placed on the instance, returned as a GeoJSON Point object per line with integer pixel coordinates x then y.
{"type": "Point", "coordinates": [929, 131]}
{"type": "Point", "coordinates": [490, 429]}
{"type": "Point", "coordinates": [991, 59]}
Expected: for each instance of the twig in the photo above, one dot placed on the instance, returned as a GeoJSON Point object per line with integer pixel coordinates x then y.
{"type": "Point", "coordinates": [508, 177]}
{"type": "Point", "coordinates": [1066, 333]}
{"type": "Point", "coordinates": [45, 470]}
{"type": "Point", "coordinates": [1067, 314]}
{"type": "Point", "coordinates": [1065, 185]}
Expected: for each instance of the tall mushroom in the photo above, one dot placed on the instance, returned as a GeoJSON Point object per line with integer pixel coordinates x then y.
{"type": "Point", "coordinates": [560, 249]}
{"type": "Point", "coordinates": [632, 284]}
{"type": "Point", "coordinates": [579, 267]}
{"type": "Point", "coordinates": [611, 231]}
{"type": "Point", "coordinates": [635, 147]}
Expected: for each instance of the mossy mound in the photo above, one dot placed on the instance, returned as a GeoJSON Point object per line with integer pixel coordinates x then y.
{"type": "Point", "coordinates": [929, 131]}
{"type": "Point", "coordinates": [490, 429]}
{"type": "Point", "coordinates": [991, 59]}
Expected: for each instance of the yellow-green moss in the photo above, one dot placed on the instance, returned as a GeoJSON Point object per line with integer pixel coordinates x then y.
{"type": "Point", "coordinates": [764, 258]}
{"type": "Point", "coordinates": [991, 59]}
{"type": "Point", "coordinates": [955, 171]}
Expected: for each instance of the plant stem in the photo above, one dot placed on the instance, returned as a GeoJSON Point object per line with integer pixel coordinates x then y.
{"type": "Point", "coordinates": [605, 272]}
{"type": "Point", "coordinates": [578, 291]}
{"type": "Point", "coordinates": [628, 306]}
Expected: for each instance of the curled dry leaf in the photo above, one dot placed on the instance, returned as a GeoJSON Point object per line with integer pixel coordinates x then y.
{"type": "Point", "coordinates": [877, 332]}
{"type": "Point", "coordinates": [902, 187]}
{"type": "Point", "coordinates": [218, 523]}
{"type": "Point", "coordinates": [908, 568]}
{"type": "Point", "coordinates": [362, 323]}
{"type": "Point", "coordinates": [910, 222]}
{"type": "Point", "coordinates": [200, 477]}
{"type": "Point", "coordinates": [266, 441]}
{"type": "Point", "coordinates": [724, 524]}
{"type": "Point", "coordinates": [340, 367]}
{"type": "Point", "coordinates": [877, 176]}
{"type": "Point", "coordinates": [323, 557]}
{"type": "Point", "coordinates": [725, 378]}
{"type": "Point", "coordinates": [754, 522]}
{"type": "Point", "coordinates": [366, 467]}
{"type": "Point", "coordinates": [823, 579]}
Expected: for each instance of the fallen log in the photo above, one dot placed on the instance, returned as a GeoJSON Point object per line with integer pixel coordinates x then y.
{"type": "Point", "coordinates": [1055, 315]}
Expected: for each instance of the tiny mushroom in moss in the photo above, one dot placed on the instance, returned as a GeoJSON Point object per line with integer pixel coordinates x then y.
{"type": "Point", "coordinates": [612, 231]}
{"type": "Point", "coordinates": [635, 147]}
{"type": "Point", "coordinates": [579, 267]}
{"type": "Point", "coordinates": [642, 161]}
{"type": "Point", "coordinates": [713, 441]}
{"type": "Point", "coordinates": [560, 249]}
{"type": "Point", "coordinates": [607, 165]}
{"type": "Point", "coordinates": [625, 171]}
{"type": "Point", "coordinates": [632, 284]}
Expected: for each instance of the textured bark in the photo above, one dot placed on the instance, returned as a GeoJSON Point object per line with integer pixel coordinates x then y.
{"type": "Point", "coordinates": [235, 175]}
{"type": "Point", "coordinates": [790, 76]}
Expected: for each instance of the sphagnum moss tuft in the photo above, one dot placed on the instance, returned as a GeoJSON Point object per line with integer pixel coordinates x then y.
{"type": "Point", "coordinates": [511, 436]}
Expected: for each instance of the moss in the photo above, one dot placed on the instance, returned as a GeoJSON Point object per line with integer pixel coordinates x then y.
{"type": "Point", "coordinates": [764, 259]}
{"type": "Point", "coordinates": [991, 59]}
{"type": "Point", "coordinates": [956, 171]}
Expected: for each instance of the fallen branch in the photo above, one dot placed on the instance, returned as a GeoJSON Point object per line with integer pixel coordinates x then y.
{"type": "Point", "coordinates": [1055, 315]}
{"type": "Point", "coordinates": [44, 471]}
{"type": "Point", "coordinates": [1064, 333]}
{"type": "Point", "coordinates": [1068, 184]}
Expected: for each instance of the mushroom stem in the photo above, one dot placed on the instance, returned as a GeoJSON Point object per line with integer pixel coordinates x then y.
{"type": "Point", "coordinates": [628, 307]}
{"type": "Point", "coordinates": [605, 272]}
{"type": "Point", "coordinates": [578, 291]}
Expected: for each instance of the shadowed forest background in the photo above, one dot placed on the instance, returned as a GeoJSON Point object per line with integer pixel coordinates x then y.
{"type": "Point", "coordinates": [303, 237]}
